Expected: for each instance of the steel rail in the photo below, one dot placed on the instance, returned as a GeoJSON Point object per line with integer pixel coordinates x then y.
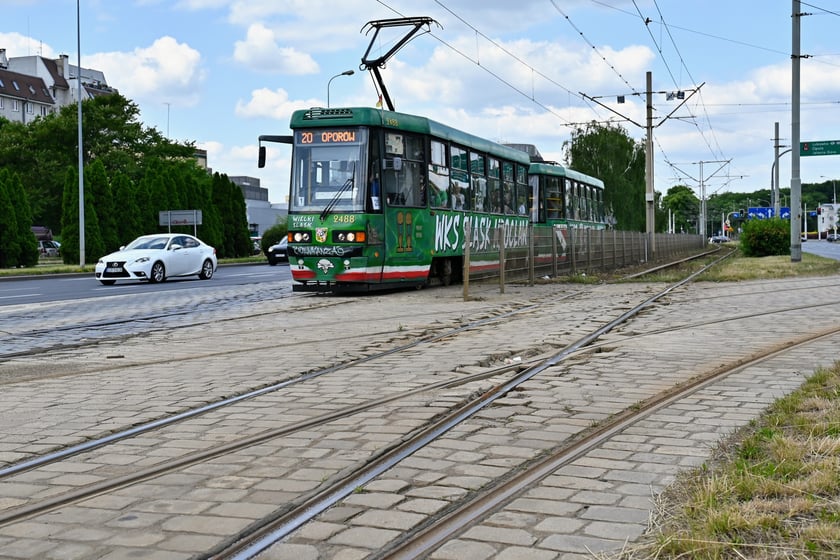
{"type": "Point", "coordinates": [263, 533]}
{"type": "Point", "coordinates": [162, 422]}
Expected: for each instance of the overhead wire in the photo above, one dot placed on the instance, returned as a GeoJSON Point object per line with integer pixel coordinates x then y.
{"type": "Point", "coordinates": [495, 75]}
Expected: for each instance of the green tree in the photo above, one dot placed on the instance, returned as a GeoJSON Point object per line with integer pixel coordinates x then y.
{"type": "Point", "coordinates": [41, 151]}
{"type": "Point", "coordinates": [94, 247]}
{"type": "Point", "coordinates": [9, 246]}
{"type": "Point", "coordinates": [684, 206]}
{"type": "Point", "coordinates": [125, 198]}
{"type": "Point", "coordinates": [27, 244]}
{"type": "Point", "coordinates": [607, 152]}
{"type": "Point", "coordinates": [99, 188]}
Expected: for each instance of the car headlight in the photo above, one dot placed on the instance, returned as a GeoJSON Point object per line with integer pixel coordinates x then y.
{"type": "Point", "coordinates": [142, 260]}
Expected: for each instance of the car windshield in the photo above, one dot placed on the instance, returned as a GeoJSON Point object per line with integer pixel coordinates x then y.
{"type": "Point", "coordinates": [148, 243]}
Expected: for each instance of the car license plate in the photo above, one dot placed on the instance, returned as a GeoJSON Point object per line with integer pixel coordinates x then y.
{"type": "Point", "coordinates": [114, 269]}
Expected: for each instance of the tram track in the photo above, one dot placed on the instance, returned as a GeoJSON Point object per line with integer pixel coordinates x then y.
{"type": "Point", "coordinates": [427, 537]}
{"type": "Point", "coordinates": [222, 403]}
{"type": "Point", "coordinates": [262, 535]}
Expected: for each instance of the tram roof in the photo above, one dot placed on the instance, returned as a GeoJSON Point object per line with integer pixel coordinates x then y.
{"type": "Point", "coordinates": [369, 116]}
{"type": "Point", "coordinates": [560, 171]}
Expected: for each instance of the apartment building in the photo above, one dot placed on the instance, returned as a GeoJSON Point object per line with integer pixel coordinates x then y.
{"type": "Point", "coordinates": [33, 86]}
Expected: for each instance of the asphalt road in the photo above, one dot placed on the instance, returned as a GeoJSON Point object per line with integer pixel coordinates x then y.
{"type": "Point", "coordinates": [64, 287]}
{"type": "Point", "coordinates": [822, 248]}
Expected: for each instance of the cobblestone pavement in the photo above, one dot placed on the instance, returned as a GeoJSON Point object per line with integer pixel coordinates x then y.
{"type": "Point", "coordinates": [597, 503]}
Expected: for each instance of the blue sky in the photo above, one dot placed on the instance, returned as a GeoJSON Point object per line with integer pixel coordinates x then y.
{"type": "Point", "coordinates": [222, 72]}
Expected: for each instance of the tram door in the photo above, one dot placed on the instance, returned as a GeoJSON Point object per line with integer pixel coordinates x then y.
{"type": "Point", "coordinates": [406, 212]}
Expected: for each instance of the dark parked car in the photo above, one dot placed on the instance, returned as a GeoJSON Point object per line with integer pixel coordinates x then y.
{"type": "Point", "coordinates": [832, 237]}
{"type": "Point", "coordinates": [277, 252]}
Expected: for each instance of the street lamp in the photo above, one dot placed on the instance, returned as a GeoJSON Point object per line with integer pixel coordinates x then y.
{"type": "Point", "coordinates": [345, 73]}
{"type": "Point", "coordinates": [774, 181]}
{"type": "Point", "coordinates": [79, 126]}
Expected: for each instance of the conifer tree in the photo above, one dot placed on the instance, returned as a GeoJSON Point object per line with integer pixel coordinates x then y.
{"type": "Point", "coordinates": [97, 184]}
{"type": "Point", "coordinates": [9, 246]}
{"type": "Point", "coordinates": [94, 247]}
{"type": "Point", "coordinates": [27, 243]}
{"type": "Point", "coordinates": [125, 198]}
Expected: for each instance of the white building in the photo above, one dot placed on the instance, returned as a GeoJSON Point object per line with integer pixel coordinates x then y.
{"type": "Point", "coordinates": [261, 213]}
{"type": "Point", "coordinates": [33, 86]}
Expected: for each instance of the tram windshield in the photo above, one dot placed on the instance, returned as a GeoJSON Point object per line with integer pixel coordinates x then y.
{"type": "Point", "coordinates": [327, 170]}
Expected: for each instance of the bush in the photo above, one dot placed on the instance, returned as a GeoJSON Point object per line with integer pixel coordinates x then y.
{"type": "Point", "coordinates": [764, 238]}
{"type": "Point", "coordinates": [272, 235]}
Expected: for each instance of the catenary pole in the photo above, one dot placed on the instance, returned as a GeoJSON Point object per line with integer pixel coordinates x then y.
{"type": "Point", "coordinates": [795, 179]}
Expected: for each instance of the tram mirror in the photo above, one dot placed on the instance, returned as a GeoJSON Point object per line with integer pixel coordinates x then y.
{"type": "Point", "coordinates": [261, 158]}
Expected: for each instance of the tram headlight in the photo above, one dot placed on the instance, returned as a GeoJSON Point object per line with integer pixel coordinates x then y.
{"type": "Point", "coordinates": [349, 236]}
{"type": "Point", "coordinates": [301, 237]}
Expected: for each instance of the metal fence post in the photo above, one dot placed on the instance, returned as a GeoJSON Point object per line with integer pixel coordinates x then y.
{"type": "Point", "coordinates": [500, 235]}
{"type": "Point", "coordinates": [531, 271]}
{"type": "Point", "coordinates": [466, 272]}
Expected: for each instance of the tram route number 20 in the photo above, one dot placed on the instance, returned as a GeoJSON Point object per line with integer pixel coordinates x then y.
{"type": "Point", "coordinates": [328, 137]}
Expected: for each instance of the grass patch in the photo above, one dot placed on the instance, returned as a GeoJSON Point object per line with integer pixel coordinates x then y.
{"type": "Point", "coordinates": [770, 491]}
{"type": "Point", "coordinates": [739, 268]}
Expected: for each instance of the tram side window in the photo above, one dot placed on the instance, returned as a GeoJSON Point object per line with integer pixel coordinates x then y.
{"type": "Point", "coordinates": [600, 205]}
{"type": "Point", "coordinates": [508, 190]}
{"type": "Point", "coordinates": [538, 203]}
{"type": "Point", "coordinates": [584, 202]}
{"type": "Point", "coordinates": [482, 190]}
{"type": "Point", "coordinates": [524, 196]}
{"type": "Point", "coordinates": [404, 174]}
{"type": "Point", "coordinates": [459, 186]}
{"type": "Point", "coordinates": [553, 198]}
{"type": "Point", "coordinates": [494, 187]}
{"type": "Point", "coordinates": [570, 200]}
{"type": "Point", "coordinates": [438, 176]}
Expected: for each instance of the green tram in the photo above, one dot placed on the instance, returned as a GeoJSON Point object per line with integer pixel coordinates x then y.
{"type": "Point", "coordinates": [380, 199]}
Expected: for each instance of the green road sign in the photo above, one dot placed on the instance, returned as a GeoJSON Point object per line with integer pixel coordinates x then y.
{"type": "Point", "coordinates": [821, 148]}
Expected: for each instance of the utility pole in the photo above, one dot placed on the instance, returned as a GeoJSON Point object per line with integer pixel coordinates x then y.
{"type": "Point", "coordinates": [650, 198]}
{"type": "Point", "coordinates": [702, 188]}
{"type": "Point", "coordinates": [795, 179]}
{"type": "Point", "coordinates": [650, 215]}
{"type": "Point", "coordinates": [777, 207]}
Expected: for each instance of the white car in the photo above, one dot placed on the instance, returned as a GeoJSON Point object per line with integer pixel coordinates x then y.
{"type": "Point", "coordinates": [154, 258]}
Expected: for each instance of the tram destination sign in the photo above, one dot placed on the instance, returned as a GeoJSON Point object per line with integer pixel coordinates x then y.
{"type": "Point", "coordinates": [820, 148]}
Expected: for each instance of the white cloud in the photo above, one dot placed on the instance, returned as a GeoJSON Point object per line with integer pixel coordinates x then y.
{"type": "Point", "coordinates": [273, 104]}
{"type": "Point", "coordinates": [22, 45]}
{"type": "Point", "coordinates": [260, 51]}
{"type": "Point", "coordinates": [165, 70]}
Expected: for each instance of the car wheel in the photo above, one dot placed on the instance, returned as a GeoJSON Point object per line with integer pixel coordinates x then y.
{"type": "Point", "coordinates": [206, 270]}
{"type": "Point", "coordinates": [107, 282]}
{"type": "Point", "coordinates": [272, 261]}
{"type": "Point", "coordinates": [158, 272]}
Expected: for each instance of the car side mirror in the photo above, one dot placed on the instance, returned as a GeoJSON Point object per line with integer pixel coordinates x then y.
{"type": "Point", "coordinates": [174, 247]}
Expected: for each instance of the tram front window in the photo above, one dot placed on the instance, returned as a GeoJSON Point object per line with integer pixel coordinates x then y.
{"type": "Point", "coordinates": [328, 171]}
